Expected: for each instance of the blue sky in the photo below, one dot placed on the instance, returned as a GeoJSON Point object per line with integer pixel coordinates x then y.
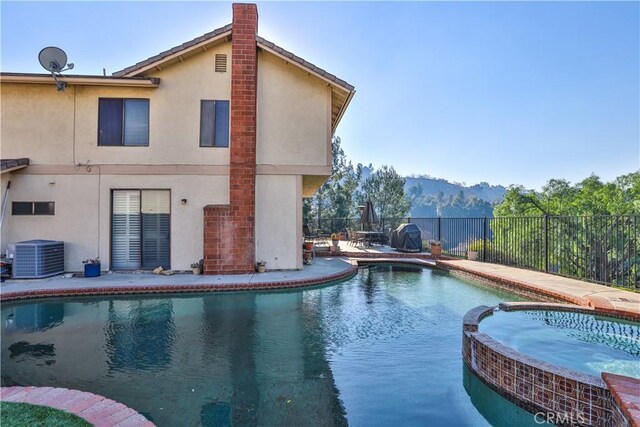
{"type": "Point", "coordinates": [504, 92]}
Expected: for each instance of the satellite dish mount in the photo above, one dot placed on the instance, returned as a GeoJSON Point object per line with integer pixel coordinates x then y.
{"type": "Point", "coordinates": [54, 60]}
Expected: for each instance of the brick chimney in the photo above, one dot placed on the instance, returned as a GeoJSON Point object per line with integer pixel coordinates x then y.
{"type": "Point", "coordinates": [229, 230]}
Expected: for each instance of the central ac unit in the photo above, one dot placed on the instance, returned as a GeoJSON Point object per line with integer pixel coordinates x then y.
{"type": "Point", "coordinates": [35, 259]}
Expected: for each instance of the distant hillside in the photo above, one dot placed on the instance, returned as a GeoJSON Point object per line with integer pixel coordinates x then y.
{"type": "Point", "coordinates": [432, 186]}
{"type": "Point", "coordinates": [432, 197]}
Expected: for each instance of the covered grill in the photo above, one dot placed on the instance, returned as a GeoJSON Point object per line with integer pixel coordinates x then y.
{"type": "Point", "coordinates": [407, 238]}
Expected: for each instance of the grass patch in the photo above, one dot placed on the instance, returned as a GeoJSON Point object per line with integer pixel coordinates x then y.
{"type": "Point", "coordinates": [14, 414]}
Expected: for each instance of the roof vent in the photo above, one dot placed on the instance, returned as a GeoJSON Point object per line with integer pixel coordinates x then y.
{"type": "Point", "coordinates": [221, 63]}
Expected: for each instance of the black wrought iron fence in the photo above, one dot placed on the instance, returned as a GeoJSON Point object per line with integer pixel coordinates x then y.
{"type": "Point", "coordinates": [602, 249]}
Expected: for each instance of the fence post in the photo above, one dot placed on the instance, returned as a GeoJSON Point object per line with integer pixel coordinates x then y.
{"type": "Point", "coordinates": [484, 239]}
{"type": "Point", "coordinates": [546, 243]}
{"type": "Point", "coordinates": [439, 230]}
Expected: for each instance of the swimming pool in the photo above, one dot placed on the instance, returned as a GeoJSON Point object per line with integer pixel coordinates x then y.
{"type": "Point", "coordinates": [584, 342]}
{"type": "Point", "coordinates": [383, 348]}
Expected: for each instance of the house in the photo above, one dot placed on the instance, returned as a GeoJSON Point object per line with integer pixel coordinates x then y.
{"type": "Point", "coordinates": [205, 151]}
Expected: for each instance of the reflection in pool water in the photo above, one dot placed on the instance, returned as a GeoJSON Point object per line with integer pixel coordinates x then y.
{"type": "Point", "coordinates": [382, 348]}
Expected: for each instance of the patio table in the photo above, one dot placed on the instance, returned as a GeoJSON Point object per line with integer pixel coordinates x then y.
{"type": "Point", "coordinates": [370, 236]}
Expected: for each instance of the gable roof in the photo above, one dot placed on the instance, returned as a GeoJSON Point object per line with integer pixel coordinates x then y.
{"type": "Point", "coordinates": [341, 91]}
{"type": "Point", "coordinates": [175, 53]}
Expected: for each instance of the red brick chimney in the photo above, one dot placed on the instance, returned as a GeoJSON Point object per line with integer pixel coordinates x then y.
{"type": "Point", "coordinates": [229, 230]}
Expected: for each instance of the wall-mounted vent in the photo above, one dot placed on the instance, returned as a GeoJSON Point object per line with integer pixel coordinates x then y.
{"type": "Point", "coordinates": [221, 63]}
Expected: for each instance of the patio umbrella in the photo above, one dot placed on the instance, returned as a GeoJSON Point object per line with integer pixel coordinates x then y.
{"type": "Point", "coordinates": [369, 214]}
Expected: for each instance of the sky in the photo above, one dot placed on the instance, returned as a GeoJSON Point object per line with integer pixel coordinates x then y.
{"type": "Point", "coordinates": [498, 92]}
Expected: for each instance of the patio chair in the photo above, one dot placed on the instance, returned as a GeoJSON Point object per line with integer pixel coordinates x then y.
{"type": "Point", "coordinates": [349, 236]}
{"type": "Point", "coordinates": [309, 234]}
{"type": "Point", "coordinates": [354, 238]}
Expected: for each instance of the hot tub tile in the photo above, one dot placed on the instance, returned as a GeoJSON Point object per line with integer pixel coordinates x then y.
{"type": "Point", "coordinates": [524, 371]}
{"type": "Point", "coordinates": [566, 387]}
{"type": "Point", "coordinates": [599, 416]}
{"type": "Point", "coordinates": [543, 379]}
{"type": "Point", "coordinates": [564, 405]}
{"type": "Point", "coordinates": [596, 395]}
{"type": "Point", "coordinates": [507, 382]}
{"type": "Point", "coordinates": [494, 375]}
{"type": "Point", "coordinates": [585, 410]}
{"type": "Point", "coordinates": [542, 397]}
{"type": "Point", "coordinates": [524, 389]}
{"type": "Point", "coordinates": [507, 365]}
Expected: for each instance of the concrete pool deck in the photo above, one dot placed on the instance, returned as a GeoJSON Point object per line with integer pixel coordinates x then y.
{"type": "Point", "coordinates": [328, 269]}
{"type": "Point", "coordinates": [603, 298]}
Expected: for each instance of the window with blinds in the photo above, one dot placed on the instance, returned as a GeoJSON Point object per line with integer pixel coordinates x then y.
{"type": "Point", "coordinates": [214, 123]}
{"type": "Point", "coordinates": [123, 122]}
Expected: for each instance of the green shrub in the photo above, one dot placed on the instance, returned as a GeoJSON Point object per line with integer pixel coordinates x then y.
{"type": "Point", "coordinates": [478, 245]}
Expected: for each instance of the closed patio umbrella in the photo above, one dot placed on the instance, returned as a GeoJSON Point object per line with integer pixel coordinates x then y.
{"type": "Point", "coordinates": [369, 215]}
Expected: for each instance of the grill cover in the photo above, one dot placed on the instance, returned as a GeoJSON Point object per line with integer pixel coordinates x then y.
{"type": "Point", "coordinates": [407, 238]}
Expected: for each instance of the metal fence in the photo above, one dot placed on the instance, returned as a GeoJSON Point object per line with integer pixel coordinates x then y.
{"type": "Point", "coordinates": [602, 249]}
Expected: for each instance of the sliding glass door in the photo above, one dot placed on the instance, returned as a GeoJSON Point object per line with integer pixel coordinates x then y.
{"type": "Point", "coordinates": [141, 229]}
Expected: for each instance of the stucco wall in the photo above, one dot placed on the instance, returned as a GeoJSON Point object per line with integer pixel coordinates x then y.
{"type": "Point", "coordinates": [83, 212]}
{"type": "Point", "coordinates": [279, 221]}
{"type": "Point", "coordinates": [293, 115]}
{"type": "Point", "coordinates": [293, 123]}
{"type": "Point", "coordinates": [38, 122]}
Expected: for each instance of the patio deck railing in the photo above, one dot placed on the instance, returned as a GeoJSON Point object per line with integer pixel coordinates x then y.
{"type": "Point", "coordinates": [601, 249]}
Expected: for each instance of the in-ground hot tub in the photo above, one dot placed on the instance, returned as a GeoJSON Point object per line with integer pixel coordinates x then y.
{"type": "Point", "coordinates": [549, 358]}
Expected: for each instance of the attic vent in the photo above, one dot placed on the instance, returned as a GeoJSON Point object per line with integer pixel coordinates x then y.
{"type": "Point", "coordinates": [221, 63]}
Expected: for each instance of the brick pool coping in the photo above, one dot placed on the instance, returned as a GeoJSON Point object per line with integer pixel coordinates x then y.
{"type": "Point", "coordinates": [625, 392]}
{"type": "Point", "coordinates": [469, 270]}
{"type": "Point", "coordinates": [541, 387]}
{"type": "Point", "coordinates": [345, 274]}
{"type": "Point", "coordinates": [96, 409]}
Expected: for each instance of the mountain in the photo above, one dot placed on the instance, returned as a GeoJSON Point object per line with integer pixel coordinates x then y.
{"type": "Point", "coordinates": [432, 186]}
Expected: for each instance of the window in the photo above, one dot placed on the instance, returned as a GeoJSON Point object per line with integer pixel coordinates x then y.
{"type": "Point", "coordinates": [33, 208]}
{"type": "Point", "coordinates": [214, 123]}
{"type": "Point", "coordinates": [123, 122]}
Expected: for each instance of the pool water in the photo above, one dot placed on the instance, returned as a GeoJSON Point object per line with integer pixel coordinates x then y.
{"type": "Point", "coordinates": [582, 342]}
{"type": "Point", "coordinates": [383, 348]}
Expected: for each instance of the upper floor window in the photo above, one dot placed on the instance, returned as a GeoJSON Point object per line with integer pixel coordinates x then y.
{"type": "Point", "coordinates": [214, 123]}
{"type": "Point", "coordinates": [123, 122]}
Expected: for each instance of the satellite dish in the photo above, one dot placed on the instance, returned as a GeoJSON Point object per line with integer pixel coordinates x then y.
{"type": "Point", "coordinates": [53, 59]}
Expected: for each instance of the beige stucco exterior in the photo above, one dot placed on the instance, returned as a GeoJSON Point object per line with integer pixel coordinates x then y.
{"type": "Point", "coordinates": [294, 123]}
{"type": "Point", "coordinates": [278, 220]}
{"type": "Point", "coordinates": [58, 132]}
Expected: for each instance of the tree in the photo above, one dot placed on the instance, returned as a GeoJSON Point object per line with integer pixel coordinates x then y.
{"type": "Point", "coordinates": [589, 231]}
{"type": "Point", "coordinates": [335, 198]}
{"type": "Point", "coordinates": [385, 188]}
